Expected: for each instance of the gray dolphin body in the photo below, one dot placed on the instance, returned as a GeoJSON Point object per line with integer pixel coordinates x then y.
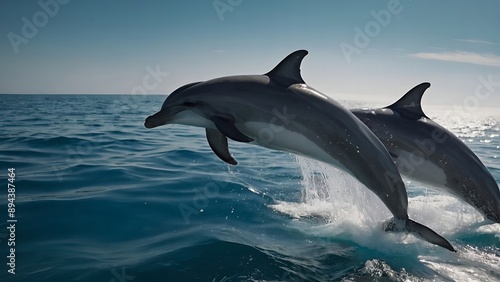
{"type": "Point", "coordinates": [427, 152]}
{"type": "Point", "coordinates": [279, 111]}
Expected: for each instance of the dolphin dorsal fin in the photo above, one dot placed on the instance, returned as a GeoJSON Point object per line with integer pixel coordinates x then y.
{"type": "Point", "coordinates": [287, 72]}
{"type": "Point", "coordinates": [409, 104]}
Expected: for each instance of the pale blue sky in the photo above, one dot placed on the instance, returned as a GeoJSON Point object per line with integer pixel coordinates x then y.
{"type": "Point", "coordinates": [108, 46]}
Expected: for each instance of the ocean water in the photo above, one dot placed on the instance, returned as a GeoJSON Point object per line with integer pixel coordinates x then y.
{"type": "Point", "coordinates": [101, 198]}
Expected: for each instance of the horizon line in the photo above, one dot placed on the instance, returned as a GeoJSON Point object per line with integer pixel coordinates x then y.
{"type": "Point", "coordinates": [156, 94]}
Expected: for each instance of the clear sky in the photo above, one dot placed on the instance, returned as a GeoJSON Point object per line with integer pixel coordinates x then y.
{"type": "Point", "coordinates": [369, 50]}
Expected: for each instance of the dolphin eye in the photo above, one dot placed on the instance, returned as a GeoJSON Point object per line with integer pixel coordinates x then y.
{"type": "Point", "coordinates": [189, 104]}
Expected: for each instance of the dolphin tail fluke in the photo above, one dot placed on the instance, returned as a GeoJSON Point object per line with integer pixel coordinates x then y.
{"type": "Point", "coordinates": [419, 230]}
{"type": "Point", "coordinates": [428, 234]}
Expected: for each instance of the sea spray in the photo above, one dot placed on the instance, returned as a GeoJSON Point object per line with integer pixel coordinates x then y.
{"type": "Point", "coordinates": [351, 211]}
{"type": "Point", "coordinates": [347, 199]}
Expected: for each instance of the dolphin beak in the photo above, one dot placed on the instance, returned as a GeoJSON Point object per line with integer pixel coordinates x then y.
{"type": "Point", "coordinates": [164, 116]}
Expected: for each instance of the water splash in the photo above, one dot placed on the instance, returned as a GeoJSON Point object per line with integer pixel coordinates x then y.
{"type": "Point", "coordinates": [347, 208]}
{"type": "Point", "coordinates": [348, 201]}
{"type": "Point", "coordinates": [351, 211]}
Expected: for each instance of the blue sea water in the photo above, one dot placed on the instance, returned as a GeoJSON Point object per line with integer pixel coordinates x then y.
{"type": "Point", "coordinates": [101, 198]}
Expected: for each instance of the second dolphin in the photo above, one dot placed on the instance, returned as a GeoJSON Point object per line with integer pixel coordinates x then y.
{"type": "Point", "coordinates": [429, 153]}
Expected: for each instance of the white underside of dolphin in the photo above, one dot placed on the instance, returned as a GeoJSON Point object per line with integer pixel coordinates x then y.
{"type": "Point", "coordinates": [302, 121]}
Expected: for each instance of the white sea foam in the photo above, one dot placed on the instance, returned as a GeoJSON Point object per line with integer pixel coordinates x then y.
{"type": "Point", "coordinates": [469, 264]}
{"type": "Point", "coordinates": [347, 207]}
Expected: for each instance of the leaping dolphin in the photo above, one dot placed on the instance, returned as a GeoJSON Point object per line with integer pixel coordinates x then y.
{"type": "Point", "coordinates": [302, 120]}
{"type": "Point", "coordinates": [427, 152]}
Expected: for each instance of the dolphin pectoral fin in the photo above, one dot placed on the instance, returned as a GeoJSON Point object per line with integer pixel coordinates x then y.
{"type": "Point", "coordinates": [410, 104]}
{"type": "Point", "coordinates": [218, 143]}
{"type": "Point", "coordinates": [226, 127]}
{"type": "Point", "coordinates": [419, 230]}
{"type": "Point", "coordinates": [287, 72]}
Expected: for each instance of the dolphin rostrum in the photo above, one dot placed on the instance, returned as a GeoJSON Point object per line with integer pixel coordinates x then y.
{"type": "Point", "coordinates": [279, 111]}
{"type": "Point", "coordinates": [427, 152]}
